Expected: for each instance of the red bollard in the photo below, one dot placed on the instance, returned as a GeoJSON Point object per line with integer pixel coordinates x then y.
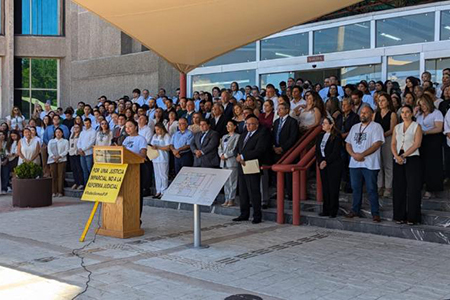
{"type": "Point", "coordinates": [319, 193]}
{"type": "Point", "coordinates": [296, 198]}
{"type": "Point", "coordinates": [280, 197]}
{"type": "Point", "coordinates": [303, 180]}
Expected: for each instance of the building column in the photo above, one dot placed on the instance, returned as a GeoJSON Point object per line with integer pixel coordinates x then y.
{"type": "Point", "coordinates": [183, 79]}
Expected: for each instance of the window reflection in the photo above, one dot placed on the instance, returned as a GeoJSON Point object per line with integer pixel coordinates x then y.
{"type": "Point", "coordinates": [222, 80]}
{"type": "Point", "coordinates": [402, 66]}
{"type": "Point", "coordinates": [285, 46]}
{"type": "Point", "coordinates": [240, 55]}
{"type": "Point", "coordinates": [435, 67]}
{"type": "Point", "coordinates": [445, 25]}
{"type": "Point", "coordinates": [342, 38]}
{"type": "Point", "coordinates": [353, 75]}
{"type": "Point", "coordinates": [405, 30]}
{"type": "Point", "coordinates": [275, 79]}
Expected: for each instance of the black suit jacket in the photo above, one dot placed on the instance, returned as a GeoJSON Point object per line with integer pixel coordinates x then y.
{"type": "Point", "coordinates": [209, 147]}
{"type": "Point", "coordinates": [228, 112]}
{"type": "Point", "coordinates": [256, 146]}
{"type": "Point", "coordinates": [289, 133]}
{"type": "Point", "coordinates": [221, 126]}
{"type": "Point", "coordinates": [332, 151]}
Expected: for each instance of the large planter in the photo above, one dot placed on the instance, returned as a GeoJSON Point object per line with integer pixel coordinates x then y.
{"type": "Point", "coordinates": [32, 192]}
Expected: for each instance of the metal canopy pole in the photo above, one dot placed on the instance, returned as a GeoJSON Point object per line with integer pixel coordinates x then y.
{"type": "Point", "coordinates": [197, 227]}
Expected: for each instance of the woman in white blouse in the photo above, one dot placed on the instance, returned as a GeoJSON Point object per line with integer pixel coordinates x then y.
{"type": "Point", "coordinates": [310, 116]}
{"type": "Point", "coordinates": [104, 134]}
{"type": "Point", "coordinates": [15, 120]}
{"type": "Point", "coordinates": [28, 148]}
{"type": "Point", "coordinates": [11, 152]}
{"type": "Point", "coordinates": [161, 142]}
{"type": "Point", "coordinates": [58, 148]}
{"type": "Point", "coordinates": [407, 179]}
{"type": "Point", "coordinates": [431, 120]}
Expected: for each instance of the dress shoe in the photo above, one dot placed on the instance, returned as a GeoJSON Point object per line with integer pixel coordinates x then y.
{"type": "Point", "coordinates": [256, 221]}
{"type": "Point", "coordinates": [238, 219]}
{"type": "Point", "coordinates": [323, 214]}
{"type": "Point", "coordinates": [376, 219]}
{"type": "Point", "coordinates": [351, 215]}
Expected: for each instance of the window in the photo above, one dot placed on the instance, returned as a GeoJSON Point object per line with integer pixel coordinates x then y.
{"type": "Point", "coordinates": [353, 75]}
{"type": "Point", "coordinates": [37, 17]}
{"type": "Point", "coordinates": [275, 79]}
{"type": "Point", "coordinates": [285, 46]}
{"type": "Point", "coordinates": [240, 55]}
{"type": "Point", "coordinates": [402, 66]}
{"type": "Point", "coordinates": [405, 30]}
{"type": "Point", "coordinates": [206, 82]}
{"type": "Point", "coordinates": [36, 81]}
{"type": "Point", "coordinates": [435, 67]}
{"type": "Point", "coordinates": [445, 25]}
{"type": "Point", "coordinates": [342, 38]}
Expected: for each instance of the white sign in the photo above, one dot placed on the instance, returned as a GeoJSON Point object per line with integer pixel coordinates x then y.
{"type": "Point", "coordinates": [196, 185]}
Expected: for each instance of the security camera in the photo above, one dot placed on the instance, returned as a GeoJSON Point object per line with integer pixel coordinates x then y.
{"type": "Point", "coordinates": [314, 66]}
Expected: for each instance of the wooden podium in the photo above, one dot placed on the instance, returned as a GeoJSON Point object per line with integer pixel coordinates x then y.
{"type": "Point", "coordinates": [122, 219]}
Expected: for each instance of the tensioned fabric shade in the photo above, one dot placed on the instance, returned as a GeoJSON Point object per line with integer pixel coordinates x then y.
{"type": "Point", "coordinates": [188, 33]}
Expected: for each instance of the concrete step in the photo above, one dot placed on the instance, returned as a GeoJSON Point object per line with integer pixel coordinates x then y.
{"type": "Point", "coordinates": [423, 232]}
{"type": "Point", "coordinates": [72, 193]}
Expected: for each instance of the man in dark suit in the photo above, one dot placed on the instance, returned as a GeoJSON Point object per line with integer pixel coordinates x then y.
{"type": "Point", "coordinates": [227, 105]}
{"type": "Point", "coordinates": [218, 120]}
{"type": "Point", "coordinates": [285, 131]}
{"type": "Point", "coordinates": [119, 133]}
{"type": "Point", "coordinates": [251, 145]}
{"type": "Point", "coordinates": [204, 146]}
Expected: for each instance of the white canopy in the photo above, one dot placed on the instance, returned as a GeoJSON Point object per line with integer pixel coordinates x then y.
{"type": "Point", "coordinates": [188, 33]}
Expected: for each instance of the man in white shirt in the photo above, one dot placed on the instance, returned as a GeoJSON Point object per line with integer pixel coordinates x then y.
{"type": "Point", "coordinates": [47, 109]}
{"type": "Point", "coordinates": [143, 100]}
{"type": "Point", "coordinates": [86, 148]}
{"type": "Point", "coordinates": [363, 145]}
{"type": "Point", "coordinates": [271, 94]}
{"type": "Point", "coordinates": [151, 109]}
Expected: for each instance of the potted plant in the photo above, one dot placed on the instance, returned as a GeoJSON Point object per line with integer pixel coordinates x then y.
{"type": "Point", "coordinates": [30, 189]}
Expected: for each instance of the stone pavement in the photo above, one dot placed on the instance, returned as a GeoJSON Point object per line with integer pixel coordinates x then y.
{"type": "Point", "coordinates": [269, 260]}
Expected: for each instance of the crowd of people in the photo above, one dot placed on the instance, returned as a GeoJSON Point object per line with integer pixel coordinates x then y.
{"type": "Point", "coordinates": [394, 141]}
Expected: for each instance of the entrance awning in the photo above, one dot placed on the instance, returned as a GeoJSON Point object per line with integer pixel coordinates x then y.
{"type": "Point", "coordinates": [188, 33]}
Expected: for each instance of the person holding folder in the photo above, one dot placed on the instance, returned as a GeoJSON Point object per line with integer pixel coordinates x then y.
{"type": "Point", "coordinates": [251, 146]}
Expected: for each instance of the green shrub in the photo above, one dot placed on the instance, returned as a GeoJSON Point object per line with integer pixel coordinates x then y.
{"type": "Point", "coordinates": [28, 170]}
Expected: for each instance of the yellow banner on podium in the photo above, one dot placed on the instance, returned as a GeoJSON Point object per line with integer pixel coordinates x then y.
{"type": "Point", "coordinates": [104, 183]}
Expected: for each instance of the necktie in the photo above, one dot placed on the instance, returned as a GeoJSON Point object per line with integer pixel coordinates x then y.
{"type": "Point", "coordinates": [203, 136]}
{"type": "Point", "coordinates": [247, 137]}
{"type": "Point", "coordinates": [277, 137]}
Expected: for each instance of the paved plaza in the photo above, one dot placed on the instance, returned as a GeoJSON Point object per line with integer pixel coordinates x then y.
{"type": "Point", "coordinates": [268, 260]}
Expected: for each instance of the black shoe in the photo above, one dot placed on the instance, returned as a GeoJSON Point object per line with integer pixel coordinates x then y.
{"type": "Point", "coordinates": [323, 214]}
{"type": "Point", "coordinates": [238, 219]}
{"type": "Point", "coordinates": [351, 215]}
{"type": "Point", "coordinates": [265, 206]}
{"type": "Point", "coordinates": [256, 221]}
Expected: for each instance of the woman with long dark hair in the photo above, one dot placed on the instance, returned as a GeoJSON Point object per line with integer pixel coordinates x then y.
{"type": "Point", "coordinates": [328, 155]}
{"type": "Point", "coordinates": [411, 83]}
{"type": "Point", "coordinates": [406, 141]}
{"type": "Point", "coordinates": [432, 121]}
{"type": "Point", "coordinates": [387, 118]}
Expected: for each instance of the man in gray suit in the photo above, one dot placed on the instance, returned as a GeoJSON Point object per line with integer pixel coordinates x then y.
{"type": "Point", "coordinates": [204, 147]}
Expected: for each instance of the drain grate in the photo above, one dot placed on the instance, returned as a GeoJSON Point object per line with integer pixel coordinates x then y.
{"type": "Point", "coordinates": [243, 297]}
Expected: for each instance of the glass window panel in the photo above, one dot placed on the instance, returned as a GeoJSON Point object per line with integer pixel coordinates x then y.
{"type": "Point", "coordinates": [22, 100]}
{"type": "Point", "coordinates": [44, 73]}
{"type": "Point", "coordinates": [22, 79]}
{"type": "Point", "coordinates": [38, 96]}
{"type": "Point", "coordinates": [342, 38]}
{"type": "Point", "coordinates": [206, 82]}
{"type": "Point", "coordinates": [353, 75]}
{"type": "Point", "coordinates": [445, 25]}
{"type": "Point", "coordinates": [45, 17]}
{"type": "Point", "coordinates": [275, 79]}
{"type": "Point", "coordinates": [240, 55]}
{"type": "Point", "coordinates": [405, 30]}
{"type": "Point", "coordinates": [435, 67]}
{"type": "Point", "coordinates": [402, 66]}
{"type": "Point", "coordinates": [285, 46]}
{"type": "Point", "coordinates": [22, 25]}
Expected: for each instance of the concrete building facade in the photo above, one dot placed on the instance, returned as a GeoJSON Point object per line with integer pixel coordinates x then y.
{"type": "Point", "coordinates": [75, 57]}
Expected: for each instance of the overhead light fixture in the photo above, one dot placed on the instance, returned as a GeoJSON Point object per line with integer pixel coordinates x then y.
{"type": "Point", "coordinates": [283, 55]}
{"type": "Point", "coordinates": [391, 37]}
{"type": "Point", "coordinates": [447, 27]}
{"type": "Point", "coordinates": [361, 25]}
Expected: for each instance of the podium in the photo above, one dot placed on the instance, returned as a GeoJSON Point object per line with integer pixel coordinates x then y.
{"type": "Point", "coordinates": [122, 218]}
